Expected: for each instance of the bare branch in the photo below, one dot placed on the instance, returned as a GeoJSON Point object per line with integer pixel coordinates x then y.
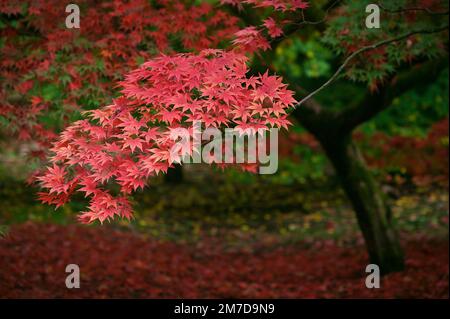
{"type": "Point", "coordinates": [368, 48]}
{"type": "Point", "coordinates": [324, 18]}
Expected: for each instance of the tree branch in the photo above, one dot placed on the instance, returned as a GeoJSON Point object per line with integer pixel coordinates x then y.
{"type": "Point", "coordinates": [374, 103]}
{"type": "Point", "coordinates": [368, 48]}
{"type": "Point", "coordinates": [327, 10]}
{"type": "Point", "coordinates": [314, 117]}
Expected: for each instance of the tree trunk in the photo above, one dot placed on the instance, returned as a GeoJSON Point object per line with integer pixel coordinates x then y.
{"type": "Point", "coordinates": [373, 214]}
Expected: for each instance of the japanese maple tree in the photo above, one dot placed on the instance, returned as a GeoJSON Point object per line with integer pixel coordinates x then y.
{"type": "Point", "coordinates": [118, 147]}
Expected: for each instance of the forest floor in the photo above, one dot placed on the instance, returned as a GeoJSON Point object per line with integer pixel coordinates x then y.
{"type": "Point", "coordinates": [123, 264]}
{"type": "Point", "coordinates": [227, 240]}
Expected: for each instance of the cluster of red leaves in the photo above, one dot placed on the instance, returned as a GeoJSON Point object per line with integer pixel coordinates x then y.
{"type": "Point", "coordinates": [121, 265]}
{"type": "Point", "coordinates": [134, 138]}
{"type": "Point", "coordinates": [251, 38]}
{"type": "Point", "coordinates": [421, 158]}
{"type": "Point", "coordinates": [277, 5]}
{"type": "Point", "coordinates": [39, 50]}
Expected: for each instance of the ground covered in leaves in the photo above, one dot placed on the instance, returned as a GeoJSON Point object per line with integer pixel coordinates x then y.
{"type": "Point", "coordinates": [242, 236]}
{"type": "Point", "coordinates": [115, 263]}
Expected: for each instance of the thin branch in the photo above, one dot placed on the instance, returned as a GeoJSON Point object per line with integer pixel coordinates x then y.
{"type": "Point", "coordinates": [364, 49]}
{"type": "Point", "coordinates": [303, 21]}
{"type": "Point", "coordinates": [324, 18]}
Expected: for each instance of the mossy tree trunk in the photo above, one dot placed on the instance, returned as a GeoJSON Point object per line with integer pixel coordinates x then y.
{"type": "Point", "coordinates": [372, 212]}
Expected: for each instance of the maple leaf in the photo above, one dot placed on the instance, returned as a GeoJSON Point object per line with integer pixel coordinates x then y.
{"type": "Point", "coordinates": [170, 116]}
{"type": "Point", "coordinates": [251, 39]}
{"type": "Point", "coordinates": [272, 28]}
{"type": "Point", "coordinates": [132, 143]}
{"type": "Point", "coordinates": [151, 134]}
{"type": "Point", "coordinates": [89, 186]}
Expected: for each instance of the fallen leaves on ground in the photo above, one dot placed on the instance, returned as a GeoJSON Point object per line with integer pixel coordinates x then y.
{"type": "Point", "coordinates": [118, 264]}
